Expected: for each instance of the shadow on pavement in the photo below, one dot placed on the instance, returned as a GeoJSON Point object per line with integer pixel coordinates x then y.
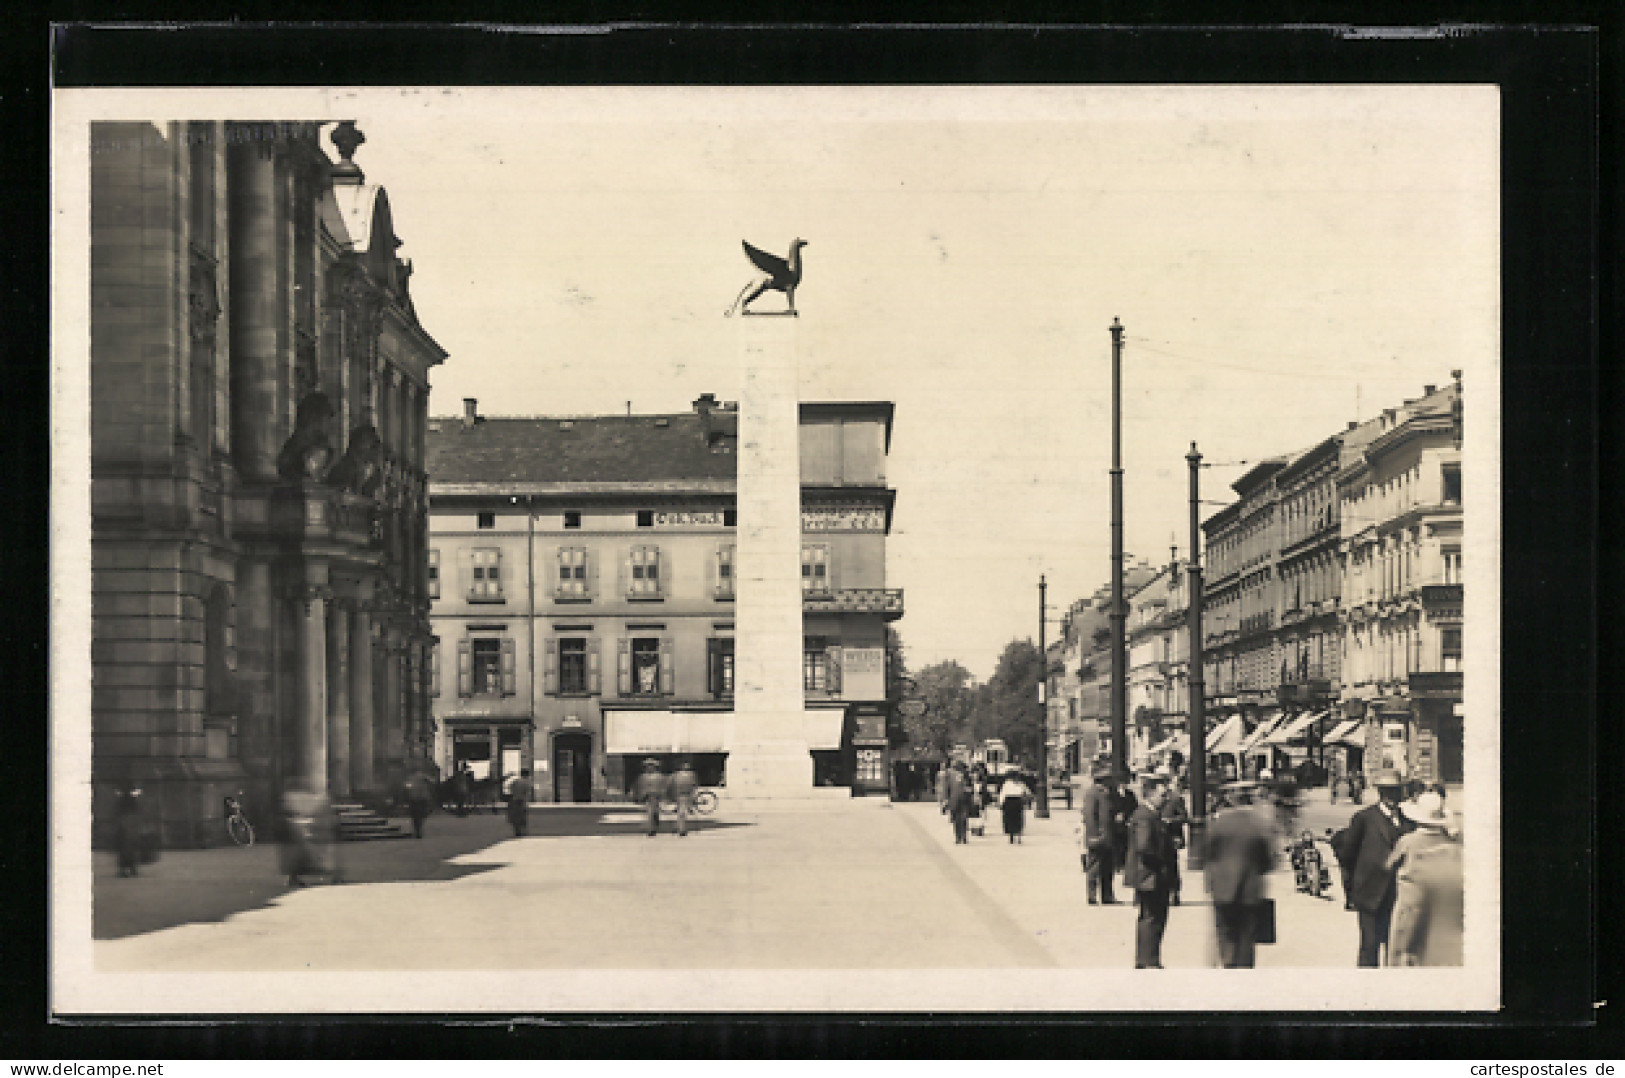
{"type": "Point", "coordinates": [188, 886]}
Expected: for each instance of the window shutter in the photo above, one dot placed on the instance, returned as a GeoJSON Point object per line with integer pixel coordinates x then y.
{"type": "Point", "coordinates": [832, 656]}
{"type": "Point", "coordinates": [465, 569]}
{"type": "Point", "coordinates": [623, 662]}
{"type": "Point", "coordinates": [590, 560]}
{"type": "Point", "coordinates": [593, 679]}
{"type": "Point", "coordinates": [465, 668]}
{"type": "Point", "coordinates": [550, 667]}
{"type": "Point", "coordinates": [434, 669]}
{"type": "Point", "coordinates": [561, 586]}
{"type": "Point", "coordinates": [626, 574]}
{"type": "Point", "coordinates": [510, 675]}
{"type": "Point", "coordinates": [652, 570]}
{"type": "Point", "coordinates": [667, 666]}
{"type": "Point", "coordinates": [494, 573]}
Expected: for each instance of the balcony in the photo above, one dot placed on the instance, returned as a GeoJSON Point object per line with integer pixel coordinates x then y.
{"type": "Point", "coordinates": [1307, 684]}
{"type": "Point", "coordinates": [1441, 595]}
{"type": "Point", "coordinates": [887, 602]}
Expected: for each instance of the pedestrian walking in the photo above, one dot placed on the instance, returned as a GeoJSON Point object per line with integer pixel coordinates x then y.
{"type": "Point", "coordinates": [1371, 837]}
{"type": "Point", "coordinates": [1177, 817]}
{"type": "Point", "coordinates": [1099, 863]}
{"type": "Point", "coordinates": [959, 802]}
{"type": "Point", "coordinates": [520, 791]}
{"type": "Point", "coordinates": [1427, 921]}
{"type": "Point", "coordinates": [462, 785]}
{"type": "Point", "coordinates": [943, 774]}
{"type": "Point", "coordinates": [129, 832]}
{"type": "Point", "coordinates": [1148, 872]}
{"type": "Point", "coordinates": [418, 801]}
{"type": "Point", "coordinates": [976, 801]}
{"type": "Point", "coordinates": [311, 836]}
{"type": "Point", "coordinates": [1123, 807]}
{"type": "Point", "coordinates": [1240, 853]}
{"type": "Point", "coordinates": [683, 784]}
{"type": "Point", "coordinates": [1013, 806]}
{"type": "Point", "coordinates": [651, 787]}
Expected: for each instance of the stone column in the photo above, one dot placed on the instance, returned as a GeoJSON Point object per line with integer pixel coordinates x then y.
{"type": "Point", "coordinates": [387, 725]}
{"type": "Point", "coordinates": [767, 745]}
{"type": "Point", "coordinates": [361, 693]}
{"type": "Point", "coordinates": [313, 682]}
{"type": "Point", "coordinates": [338, 698]}
{"type": "Point", "coordinates": [256, 310]}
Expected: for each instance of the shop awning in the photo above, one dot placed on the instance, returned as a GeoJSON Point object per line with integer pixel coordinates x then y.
{"type": "Point", "coordinates": [1255, 740]}
{"type": "Point", "coordinates": [1169, 744]}
{"type": "Point", "coordinates": [1291, 731]}
{"type": "Point", "coordinates": [1225, 737]}
{"type": "Point", "coordinates": [628, 732]}
{"type": "Point", "coordinates": [1346, 733]}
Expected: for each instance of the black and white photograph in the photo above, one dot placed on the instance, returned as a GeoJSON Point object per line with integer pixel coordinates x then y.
{"type": "Point", "coordinates": [831, 548]}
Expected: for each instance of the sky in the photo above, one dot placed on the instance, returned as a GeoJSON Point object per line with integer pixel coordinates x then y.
{"type": "Point", "coordinates": [1283, 261]}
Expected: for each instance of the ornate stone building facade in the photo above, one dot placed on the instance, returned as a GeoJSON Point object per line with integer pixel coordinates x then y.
{"type": "Point", "coordinates": [259, 390]}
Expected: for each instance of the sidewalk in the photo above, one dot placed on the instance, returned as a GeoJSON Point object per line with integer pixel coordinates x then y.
{"type": "Point", "coordinates": [1040, 884]}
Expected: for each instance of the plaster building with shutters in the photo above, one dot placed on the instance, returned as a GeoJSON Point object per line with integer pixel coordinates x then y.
{"type": "Point", "coordinates": [259, 383]}
{"type": "Point", "coordinates": [581, 571]}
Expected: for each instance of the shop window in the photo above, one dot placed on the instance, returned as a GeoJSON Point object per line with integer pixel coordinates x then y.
{"type": "Point", "coordinates": [646, 518]}
{"type": "Point", "coordinates": [645, 574]}
{"type": "Point", "coordinates": [725, 572]}
{"type": "Point", "coordinates": [572, 574]}
{"type": "Point", "coordinates": [486, 583]}
{"type": "Point", "coordinates": [572, 518]}
{"type": "Point", "coordinates": [815, 569]}
{"type": "Point", "coordinates": [721, 665]}
{"type": "Point", "coordinates": [434, 574]}
{"type": "Point", "coordinates": [1450, 649]}
{"type": "Point", "coordinates": [820, 666]}
{"type": "Point", "coordinates": [871, 769]}
{"type": "Point", "coordinates": [487, 520]}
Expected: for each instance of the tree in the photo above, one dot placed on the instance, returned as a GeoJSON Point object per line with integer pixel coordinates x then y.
{"type": "Point", "coordinates": [944, 687]}
{"type": "Point", "coordinates": [1015, 715]}
{"type": "Point", "coordinates": [897, 681]}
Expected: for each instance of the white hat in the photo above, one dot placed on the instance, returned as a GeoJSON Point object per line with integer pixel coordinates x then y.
{"type": "Point", "coordinates": [1427, 810]}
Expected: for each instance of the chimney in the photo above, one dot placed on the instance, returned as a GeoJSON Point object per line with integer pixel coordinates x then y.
{"type": "Point", "coordinates": [1353, 424]}
{"type": "Point", "coordinates": [1428, 391]}
{"type": "Point", "coordinates": [471, 412]}
{"type": "Point", "coordinates": [705, 402]}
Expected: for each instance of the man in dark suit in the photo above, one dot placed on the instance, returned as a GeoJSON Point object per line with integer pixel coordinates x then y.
{"type": "Point", "coordinates": [1366, 845]}
{"type": "Point", "coordinates": [1123, 806]}
{"type": "Point", "coordinates": [1149, 872]}
{"type": "Point", "coordinates": [1098, 861]}
{"type": "Point", "coordinates": [1240, 853]}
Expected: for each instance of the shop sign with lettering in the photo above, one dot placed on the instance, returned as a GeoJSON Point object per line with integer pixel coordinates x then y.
{"type": "Point", "coordinates": [843, 519]}
{"type": "Point", "coordinates": [688, 520]}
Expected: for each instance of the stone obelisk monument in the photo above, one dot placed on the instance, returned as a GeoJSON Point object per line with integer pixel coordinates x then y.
{"type": "Point", "coordinates": [768, 757]}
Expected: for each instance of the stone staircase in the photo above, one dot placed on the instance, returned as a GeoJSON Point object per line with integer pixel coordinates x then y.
{"type": "Point", "coordinates": [357, 823]}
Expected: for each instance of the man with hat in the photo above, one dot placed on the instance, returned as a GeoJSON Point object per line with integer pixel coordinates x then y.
{"type": "Point", "coordinates": [1370, 838]}
{"type": "Point", "coordinates": [651, 787]}
{"type": "Point", "coordinates": [1149, 871]}
{"type": "Point", "coordinates": [1098, 862]}
{"type": "Point", "coordinates": [1241, 846]}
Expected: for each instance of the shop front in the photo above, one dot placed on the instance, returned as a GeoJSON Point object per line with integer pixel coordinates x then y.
{"type": "Point", "coordinates": [700, 737]}
{"type": "Point", "coordinates": [490, 749]}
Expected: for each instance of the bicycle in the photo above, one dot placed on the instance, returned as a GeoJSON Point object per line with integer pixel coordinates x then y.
{"type": "Point", "coordinates": [703, 804]}
{"type": "Point", "coordinates": [237, 825]}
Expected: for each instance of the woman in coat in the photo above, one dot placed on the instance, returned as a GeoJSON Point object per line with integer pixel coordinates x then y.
{"type": "Point", "coordinates": [1013, 803]}
{"type": "Point", "coordinates": [1427, 919]}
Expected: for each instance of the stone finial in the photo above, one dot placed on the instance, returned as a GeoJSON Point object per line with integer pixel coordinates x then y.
{"type": "Point", "coordinates": [346, 137]}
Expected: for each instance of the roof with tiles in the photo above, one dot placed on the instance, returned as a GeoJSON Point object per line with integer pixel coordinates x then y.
{"type": "Point", "coordinates": [656, 449]}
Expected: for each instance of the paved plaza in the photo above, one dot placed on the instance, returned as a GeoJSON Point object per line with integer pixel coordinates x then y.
{"type": "Point", "coordinates": [865, 884]}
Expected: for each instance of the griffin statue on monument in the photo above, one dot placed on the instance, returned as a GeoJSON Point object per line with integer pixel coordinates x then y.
{"type": "Point", "coordinates": [781, 276]}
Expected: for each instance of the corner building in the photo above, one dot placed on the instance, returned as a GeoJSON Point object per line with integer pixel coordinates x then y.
{"type": "Point", "coordinates": [581, 569]}
{"type": "Point", "coordinates": [259, 389]}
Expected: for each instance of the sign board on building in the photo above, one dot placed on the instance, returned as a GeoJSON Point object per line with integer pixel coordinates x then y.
{"type": "Point", "coordinates": [863, 673]}
{"type": "Point", "coordinates": [695, 520]}
{"type": "Point", "coordinates": [843, 519]}
{"type": "Point", "coordinates": [572, 720]}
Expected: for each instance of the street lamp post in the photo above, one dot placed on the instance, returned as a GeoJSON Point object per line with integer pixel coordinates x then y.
{"type": "Point", "coordinates": [1198, 719]}
{"type": "Point", "coordinates": [1119, 612]}
{"type": "Point", "coordinates": [1043, 708]}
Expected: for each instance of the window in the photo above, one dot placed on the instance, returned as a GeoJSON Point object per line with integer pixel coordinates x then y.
{"type": "Point", "coordinates": [1450, 649]}
{"type": "Point", "coordinates": [815, 570]}
{"type": "Point", "coordinates": [646, 518]}
{"type": "Point", "coordinates": [721, 664]}
{"type": "Point", "coordinates": [572, 665]}
{"type": "Point", "coordinates": [730, 518]}
{"type": "Point", "coordinates": [645, 667]}
{"type": "Point", "coordinates": [1451, 476]}
{"type": "Point", "coordinates": [645, 575]}
{"type": "Point", "coordinates": [434, 574]}
{"type": "Point", "coordinates": [486, 585]}
{"type": "Point", "coordinates": [572, 518]}
{"type": "Point", "coordinates": [434, 668]}
{"type": "Point", "coordinates": [572, 574]}
{"type": "Point", "coordinates": [488, 520]}
{"type": "Point", "coordinates": [1452, 565]}
{"type": "Point", "coordinates": [871, 767]}
{"type": "Point", "coordinates": [819, 670]}
{"type": "Point", "coordinates": [485, 667]}
{"type": "Point", "coordinates": [725, 571]}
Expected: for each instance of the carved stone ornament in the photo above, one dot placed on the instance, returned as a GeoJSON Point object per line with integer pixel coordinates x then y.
{"type": "Point", "coordinates": [361, 468]}
{"type": "Point", "coordinates": [203, 297]}
{"type": "Point", "coordinates": [308, 451]}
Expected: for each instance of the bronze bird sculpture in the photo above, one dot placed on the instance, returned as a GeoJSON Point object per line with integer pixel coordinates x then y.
{"type": "Point", "coordinates": [781, 276]}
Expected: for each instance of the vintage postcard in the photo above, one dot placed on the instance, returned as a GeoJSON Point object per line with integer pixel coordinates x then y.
{"type": "Point", "coordinates": [547, 549]}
